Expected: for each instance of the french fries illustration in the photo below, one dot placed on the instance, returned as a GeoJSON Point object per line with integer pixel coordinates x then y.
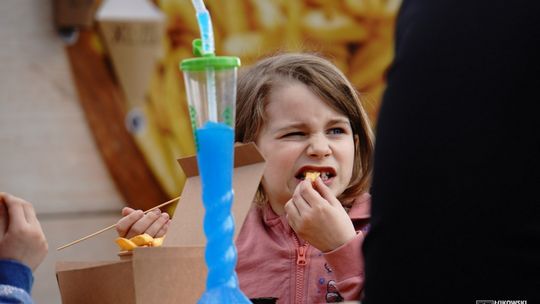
{"type": "Point", "coordinates": [141, 240]}
{"type": "Point", "coordinates": [331, 29]}
{"type": "Point", "coordinates": [357, 35]}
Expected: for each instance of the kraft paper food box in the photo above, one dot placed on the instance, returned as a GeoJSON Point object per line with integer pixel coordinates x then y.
{"type": "Point", "coordinates": [175, 272]}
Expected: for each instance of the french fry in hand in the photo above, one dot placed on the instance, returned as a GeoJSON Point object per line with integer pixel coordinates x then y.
{"type": "Point", "coordinates": [142, 240]}
{"type": "Point", "coordinates": [157, 242]}
{"type": "Point", "coordinates": [125, 244]}
{"type": "Point", "coordinates": [312, 175]}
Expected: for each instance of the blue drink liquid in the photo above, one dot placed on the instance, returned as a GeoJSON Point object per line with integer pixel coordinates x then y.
{"type": "Point", "coordinates": [215, 160]}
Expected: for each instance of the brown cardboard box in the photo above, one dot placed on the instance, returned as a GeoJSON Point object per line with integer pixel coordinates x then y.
{"type": "Point", "coordinates": [176, 272]}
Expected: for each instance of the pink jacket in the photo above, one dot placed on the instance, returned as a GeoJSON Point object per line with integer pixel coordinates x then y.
{"type": "Point", "coordinates": [274, 262]}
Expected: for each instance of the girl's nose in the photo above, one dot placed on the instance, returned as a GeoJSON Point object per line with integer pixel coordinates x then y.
{"type": "Point", "coordinates": [319, 146]}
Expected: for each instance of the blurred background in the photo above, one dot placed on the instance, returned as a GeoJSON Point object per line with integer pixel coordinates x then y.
{"type": "Point", "coordinates": [92, 105]}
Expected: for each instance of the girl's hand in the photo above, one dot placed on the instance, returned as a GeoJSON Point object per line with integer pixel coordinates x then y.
{"type": "Point", "coordinates": [135, 222]}
{"type": "Point", "coordinates": [317, 216]}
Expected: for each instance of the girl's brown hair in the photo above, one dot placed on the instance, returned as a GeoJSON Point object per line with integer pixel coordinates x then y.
{"type": "Point", "coordinates": [324, 80]}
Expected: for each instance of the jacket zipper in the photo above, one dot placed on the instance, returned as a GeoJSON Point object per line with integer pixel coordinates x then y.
{"type": "Point", "coordinates": [301, 262]}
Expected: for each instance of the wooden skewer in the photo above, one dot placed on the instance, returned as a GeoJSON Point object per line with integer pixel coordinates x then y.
{"type": "Point", "coordinates": [114, 225]}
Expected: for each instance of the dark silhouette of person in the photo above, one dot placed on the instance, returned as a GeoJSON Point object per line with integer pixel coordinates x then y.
{"type": "Point", "coordinates": [456, 185]}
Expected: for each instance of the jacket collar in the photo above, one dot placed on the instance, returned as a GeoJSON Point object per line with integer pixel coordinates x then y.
{"type": "Point", "coordinates": [361, 208]}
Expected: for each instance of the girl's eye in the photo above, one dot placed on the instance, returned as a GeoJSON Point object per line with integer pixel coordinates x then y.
{"type": "Point", "coordinates": [291, 134]}
{"type": "Point", "coordinates": [336, 131]}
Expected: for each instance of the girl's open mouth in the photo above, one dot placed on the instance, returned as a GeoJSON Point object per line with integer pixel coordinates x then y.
{"type": "Point", "coordinates": [325, 173]}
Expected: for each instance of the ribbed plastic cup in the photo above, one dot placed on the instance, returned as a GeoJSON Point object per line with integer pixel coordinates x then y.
{"type": "Point", "coordinates": [211, 92]}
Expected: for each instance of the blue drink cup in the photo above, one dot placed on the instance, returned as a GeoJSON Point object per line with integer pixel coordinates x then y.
{"type": "Point", "coordinates": [211, 92]}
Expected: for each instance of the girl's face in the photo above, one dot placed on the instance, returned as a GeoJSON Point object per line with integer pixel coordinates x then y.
{"type": "Point", "coordinates": [302, 133]}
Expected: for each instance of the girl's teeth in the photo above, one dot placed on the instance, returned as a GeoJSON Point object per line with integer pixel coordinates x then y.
{"type": "Point", "coordinates": [324, 176]}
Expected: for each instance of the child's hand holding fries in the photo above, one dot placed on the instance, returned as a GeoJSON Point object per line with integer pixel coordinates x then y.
{"type": "Point", "coordinates": [135, 222]}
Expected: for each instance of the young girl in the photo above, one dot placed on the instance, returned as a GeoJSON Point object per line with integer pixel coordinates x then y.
{"type": "Point", "coordinates": [301, 240]}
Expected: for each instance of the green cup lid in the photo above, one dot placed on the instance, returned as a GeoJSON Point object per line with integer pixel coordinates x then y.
{"type": "Point", "coordinates": [204, 61]}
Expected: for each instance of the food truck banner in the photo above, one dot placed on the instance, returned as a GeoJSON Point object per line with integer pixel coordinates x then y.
{"type": "Point", "coordinates": [357, 36]}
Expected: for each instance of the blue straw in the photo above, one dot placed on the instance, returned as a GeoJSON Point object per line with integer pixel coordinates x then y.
{"type": "Point", "coordinates": [207, 38]}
